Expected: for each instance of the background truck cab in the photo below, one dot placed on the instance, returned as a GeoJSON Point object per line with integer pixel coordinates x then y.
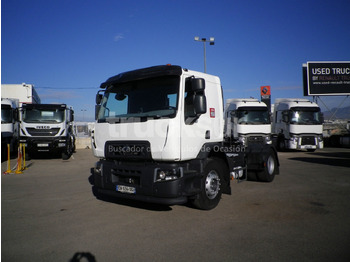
{"type": "Point", "coordinates": [247, 120]}
{"type": "Point", "coordinates": [297, 124]}
{"type": "Point", "coordinates": [47, 128]}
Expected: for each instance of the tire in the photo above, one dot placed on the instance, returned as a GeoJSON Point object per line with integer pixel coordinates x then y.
{"type": "Point", "coordinates": [74, 148]}
{"type": "Point", "coordinates": [68, 151]}
{"type": "Point", "coordinates": [65, 156]}
{"type": "Point", "coordinates": [211, 189]}
{"type": "Point", "coordinates": [268, 174]}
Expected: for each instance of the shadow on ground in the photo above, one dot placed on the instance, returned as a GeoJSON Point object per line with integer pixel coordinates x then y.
{"type": "Point", "coordinates": [341, 159]}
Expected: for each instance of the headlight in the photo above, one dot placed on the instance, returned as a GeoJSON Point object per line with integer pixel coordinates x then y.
{"type": "Point", "coordinates": [167, 174]}
{"type": "Point", "coordinates": [242, 139]}
{"type": "Point", "coordinates": [98, 168]}
{"type": "Point", "coordinates": [268, 140]}
{"type": "Point", "coordinates": [237, 173]}
{"type": "Point", "coordinates": [294, 139]}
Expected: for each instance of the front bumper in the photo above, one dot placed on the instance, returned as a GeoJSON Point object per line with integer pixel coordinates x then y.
{"type": "Point", "coordinates": [45, 144]}
{"type": "Point", "coordinates": [142, 178]}
{"type": "Point", "coordinates": [305, 142]}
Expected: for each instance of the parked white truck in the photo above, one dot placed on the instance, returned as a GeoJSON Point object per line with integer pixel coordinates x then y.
{"type": "Point", "coordinates": [9, 125]}
{"type": "Point", "coordinates": [25, 93]}
{"type": "Point", "coordinates": [47, 128]}
{"type": "Point", "coordinates": [297, 124]}
{"type": "Point", "coordinates": [159, 138]}
{"type": "Point", "coordinates": [247, 120]}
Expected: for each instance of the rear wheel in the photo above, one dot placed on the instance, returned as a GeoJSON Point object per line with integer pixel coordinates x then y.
{"type": "Point", "coordinates": [211, 191]}
{"type": "Point", "coordinates": [268, 174]}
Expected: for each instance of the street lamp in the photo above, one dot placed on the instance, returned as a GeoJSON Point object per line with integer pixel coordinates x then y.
{"type": "Point", "coordinates": [204, 40]}
{"type": "Point", "coordinates": [83, 110]}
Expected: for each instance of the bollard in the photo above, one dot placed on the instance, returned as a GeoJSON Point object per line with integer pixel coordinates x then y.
{"type": "Point", "coordinates": [19, 160]}
{"type": "Point", "coordinates": [24, 157]}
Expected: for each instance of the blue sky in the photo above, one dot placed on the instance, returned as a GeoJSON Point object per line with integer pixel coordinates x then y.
{"type": "Point", "coordinates": [67, 48]}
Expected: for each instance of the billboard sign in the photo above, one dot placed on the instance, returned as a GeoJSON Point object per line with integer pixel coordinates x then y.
{"type": "Point", "coordinates": [326, 78]}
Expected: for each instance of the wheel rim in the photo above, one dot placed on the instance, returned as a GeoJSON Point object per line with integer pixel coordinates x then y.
{"type": "Point", "coordinates": [270, 164]}
{"type": "Point", "coordinates": [212, 184]}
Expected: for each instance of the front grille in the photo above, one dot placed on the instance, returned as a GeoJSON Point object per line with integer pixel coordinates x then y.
{"type": "Point", "coordinates": [42, 132]}
{"type": "Point", "coordinates": [128, 150]}
{"type": "Point", "coordinates": [127, 176]}
{"type": "Point", "coordinates": [308, 140]}
{"type": "Point", "coordinates": [256, 139]}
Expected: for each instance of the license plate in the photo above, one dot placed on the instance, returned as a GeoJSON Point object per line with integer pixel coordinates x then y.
{"type": "Point", "coordinates": [43, 145]}
{"type": "Point", "coordinates": [126, 189]}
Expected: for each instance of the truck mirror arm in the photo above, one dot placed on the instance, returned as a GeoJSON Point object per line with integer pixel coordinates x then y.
{"type": "Point", "coordinates": [97, 109]}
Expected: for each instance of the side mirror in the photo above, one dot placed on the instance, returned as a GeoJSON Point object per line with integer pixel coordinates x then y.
{"type": "Point", "coordinates": [71, 115]}
{"type": "Point", "coordinates": [233, 115]}
{"type": "Point", "coordinates": [198, 84]}
{"type": "Point", "coordinates": [285, 116]}
{"type": "Point", "coordinates": [321, 118]}
{"type": "Point", "coordinates": [200, 101]}
{"type": "Point", "coordinates": [16, 115]}
{"type": "Point", "coordinates": [200, 104]}
{"type": "Point", "coordinates": [270, 117]}
{"type": "Point", "coordinates": [98, 98]}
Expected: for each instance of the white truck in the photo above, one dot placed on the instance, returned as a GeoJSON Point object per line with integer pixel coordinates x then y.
{"type": "Point", "coordinates": [47, 128]}
{"type": "Point", "coordinates": [9, 125]}
{"type": "Point", "coordinates": [297, 124]}
{"type": "Point", "coordinates": [25, 93]}
{"type": "Point", "coordinates": [247, 120]}
{"type": "Point", "coordinates": [159, 138]}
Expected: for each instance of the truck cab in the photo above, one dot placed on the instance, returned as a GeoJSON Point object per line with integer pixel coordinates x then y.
{"type": "Point", "coordinates": [247, 120]}
{"type": "Point", "coordinates": [47, 128]}
{"type": "Point", "coordinates": [297, 124]}
{"type": "Point", "coordinates": [159, 138]}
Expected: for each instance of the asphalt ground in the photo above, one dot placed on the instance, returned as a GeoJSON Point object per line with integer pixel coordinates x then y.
{"type": "Point", "coordinates": [49, 213]}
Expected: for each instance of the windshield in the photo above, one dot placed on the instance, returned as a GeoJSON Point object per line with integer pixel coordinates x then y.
{"type": "Point", "coordinates": [253, 115]}
{"type": "Point", "coordinates": [140, 100]}
{"type": "Point", "coordinates": [305, 116]}
{"type": "Point", "coordinates": [6, 114]}
{"type": "Point", "coordinates": [43, 116]}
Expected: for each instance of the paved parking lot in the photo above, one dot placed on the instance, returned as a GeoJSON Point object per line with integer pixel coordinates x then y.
{"type": "Point", "coordinates": [49, 213]}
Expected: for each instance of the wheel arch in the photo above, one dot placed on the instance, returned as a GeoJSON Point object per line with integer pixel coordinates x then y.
{"type": "Point", "coordinates": [214, 151]}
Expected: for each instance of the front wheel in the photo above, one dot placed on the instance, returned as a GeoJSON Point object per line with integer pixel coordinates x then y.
{"type": "Point", "coordinates": [66, 154]}
{"type": "Point", "coordinates": [211, 189]}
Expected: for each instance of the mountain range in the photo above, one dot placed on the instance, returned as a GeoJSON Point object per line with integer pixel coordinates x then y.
{"type": "Point", "coordinates": [342, 113]}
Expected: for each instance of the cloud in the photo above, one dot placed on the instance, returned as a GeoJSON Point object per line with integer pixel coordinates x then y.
{"type": "Point", "coordinates": [118, 37]}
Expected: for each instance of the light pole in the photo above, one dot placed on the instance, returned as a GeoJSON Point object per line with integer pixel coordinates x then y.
{"type": "Point", "coordinates": [204, 40]}
{"type": "Point", "coordinates": [83, 110]}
